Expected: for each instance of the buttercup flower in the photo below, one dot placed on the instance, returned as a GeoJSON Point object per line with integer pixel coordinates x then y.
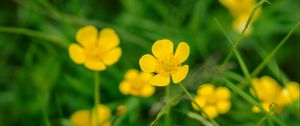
{"type": "Point", "coordinates": [268, 91]}
{"type": "Point", "coordinates": [95, 51]}
{"type": "Point", "coordinates": [137, 83]}
{"type": "Point", "coordinates": [213, 100]}
{"type": "Point", "coordinates": [165, 64]}
{"type": "Point", "coordinates": [240, 10]}
{"type": "Point", "coordinates": [88, 118]}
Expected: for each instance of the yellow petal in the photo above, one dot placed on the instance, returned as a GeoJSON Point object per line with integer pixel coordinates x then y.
{"type": "Point", "coordinates": [94, 65]}
{"type": "Point", "coordinates": [87, 35]}
{"type": "Point", "coordinates": [80, 118]}
{"type": "Point", "coordinates": [180, 74]}
{"type": "Point", "coordinates": [125, 87]}
{"type": "Point", "coordinates": [201, 101]}
{"type": "Point", "coordinates": [147, 90]}
{"type": "Point", "coordinates": [145, 76]}
{"type": "Point", "coordinates": [131, 74]}
{"type": "Point", "coordinates": [162, 48]}
{"type": "Point", "coordinates": [112, 56]}
{"type": "Point", "coordinates": [103, 113]}
{"type": "Point", "coordinates": [108, 39]}
{"type": "Point", "coordinates": [205, 89]}
{"type": "Point", "coordinates": [160, 80]}
{"type": "Point", "coordinates": [148, 63]}
{"type": "Point", "coordinates": [239, 24]}
{"type": "Point", "coordinates": [211, 111]}
{"type": "Point", "coordinates": [223, 106]}
{"type": "Point", "coordinates": [76, 53]}
{"type": "Point", "coordinates": [182, 52]}
{"type": "Point", "coordinates": [293, 89]}
{"type": "Point", "coordinates": [223, 93]}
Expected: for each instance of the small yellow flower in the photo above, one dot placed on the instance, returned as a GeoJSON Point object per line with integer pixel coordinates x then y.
{"type": "Point", "coordinates": [165, 64]}
{"type": "Point", "coordinates": [268, 91]}
{"type": "Point", "coordinates": [86, 118]}
{"type": "Point", "coordinates": [95, 51]}
{"type": "Point", "coordinates": [137, 83]}
{"type": "Point", "coordinates": [213, 100]}
{"type": "Point", "coordinates": [240, 10]}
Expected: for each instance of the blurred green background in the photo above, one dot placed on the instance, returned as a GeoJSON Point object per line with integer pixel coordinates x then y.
{"type": "Point", "coordinates": [38, 80]}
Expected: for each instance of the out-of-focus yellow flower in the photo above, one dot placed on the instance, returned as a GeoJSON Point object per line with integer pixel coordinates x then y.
{"type": "Point", "coordinates": [137, 83]}
{"type": "Point", "coordinates": [213, 100]}
{"type": "Point", "coordinates": [88, 118]}
{"type": "Point", "coordinates": [165, 63]}
{"type": "Point", "coordinates": [268, 91]}
{"type": "Point", "coordinates": [240, 10]}
{"type": "Point", "coordinates": [95, 51]}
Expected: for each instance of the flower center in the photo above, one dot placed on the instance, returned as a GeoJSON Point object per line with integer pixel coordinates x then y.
{"type": "Point", "coordinates": [94, 52]}
{"type": "Point", "coordinates": [167, 64]}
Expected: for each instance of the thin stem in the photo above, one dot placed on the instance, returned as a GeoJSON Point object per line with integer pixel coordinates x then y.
{"type": "Point", "coordinates": [97, 96]}
{"type": "Point", "coordinates": [198, 106]}
{"type": "Point", "coordinates": [266, 60]}
{"type": "Point", "coordinates": [51, 38]}
{"type": "Point", "coordinates": [168, 115]}
{"type": "Point", "coordinates": [267, 115]}
{"type": "Point", "coordinates": [241, 36]}
{"type": "Point", "coordinates": [45, 115]}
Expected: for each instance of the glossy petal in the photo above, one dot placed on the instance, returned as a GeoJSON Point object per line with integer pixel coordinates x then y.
{"type": "Point", "coordinates": [108, 39]}
{"type": "Point", "coordinates": [112, 56]}
{"type": "Point", "coordinates": [180, 74]}
{"type": "Point", "coordinates": [125, 88]}
{"type": "Point", "coordinates": [94, 65]}
{"type": "Point", "coordinates": [148, 63]}
{"type": "Point", "coordinates": [201, 101]}
{"type": "Point", "coordinates": [145, 76]}
{"type": "Point", "coordinates": [104, 114]}
{"type": "Point", "coordinates": [223, 106]}
{"type": "Point", "coordinates": [182, 52]}
{"type": "Point", "coordinates": [205, 89]}
{"type": "Point", "coordinates": [87, 35]}
{"type": "Point", "coordinates": [76, 53]}
{"type": "Point", "coordinates": [131, 74]}
{"type": "Point", "coordinates": [211, 111]}
{"type": "Point", "coordinates": [162, 48]}
{"type": "Point", "coordinates": [159, 80]}
{"type": "Point", "coordinates": [147, 90]}
{"type": "Point", "coordinates": [80, 118]}
{"type": "Point", "coordinates": [223, 93]}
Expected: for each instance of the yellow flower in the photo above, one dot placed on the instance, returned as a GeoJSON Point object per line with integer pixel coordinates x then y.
{"type": "Point", "coordinates": [165, 64]}
{"type": "Point", "coordinates": [213, 100]}
{"type": "Point", "coordinates": [86, 118]}
{"type": "Point", "coordinates": [268, 91]}
{"type": "Point", "coordinates": [95, 51]}
{"type": "Point", "coordinates": [137, 83]}
{"type": "Point", "coordinates": [240, 10]}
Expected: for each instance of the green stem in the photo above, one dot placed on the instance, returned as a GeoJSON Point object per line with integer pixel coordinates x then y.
{"type": "Point", "coordinates": [97, 96]}
{"type": "Point", "coordinates": [168, 115]}
{"type": "Point", "coordinates": [198, 106]}
{"type": "Point", "coordinates": [52, 38]}
{"type": "Point", "coordinates": [45, 115]}
{"type": "Point", "coordinates": [267, 115]}
{"type": "Point", "coordinates": [241, 36]}
{"type": "Point", "coordinates": [273, 52]}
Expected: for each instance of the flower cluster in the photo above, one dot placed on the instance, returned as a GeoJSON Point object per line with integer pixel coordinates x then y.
{"type": "Point", "coordinates": [88, 118]}
{"type": "Point", "coordinates": [268, 91]}
{"type": "Point", "coordinates": [213, 100]}
{"type": "Point", "coordinates": [137, 83]}
{"type": "Point", "coordinates": [95, 51]}
{"type": "Point", "coordinates": [165, 64]}
{"type": "Point", "coordinates": [240, 10]}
